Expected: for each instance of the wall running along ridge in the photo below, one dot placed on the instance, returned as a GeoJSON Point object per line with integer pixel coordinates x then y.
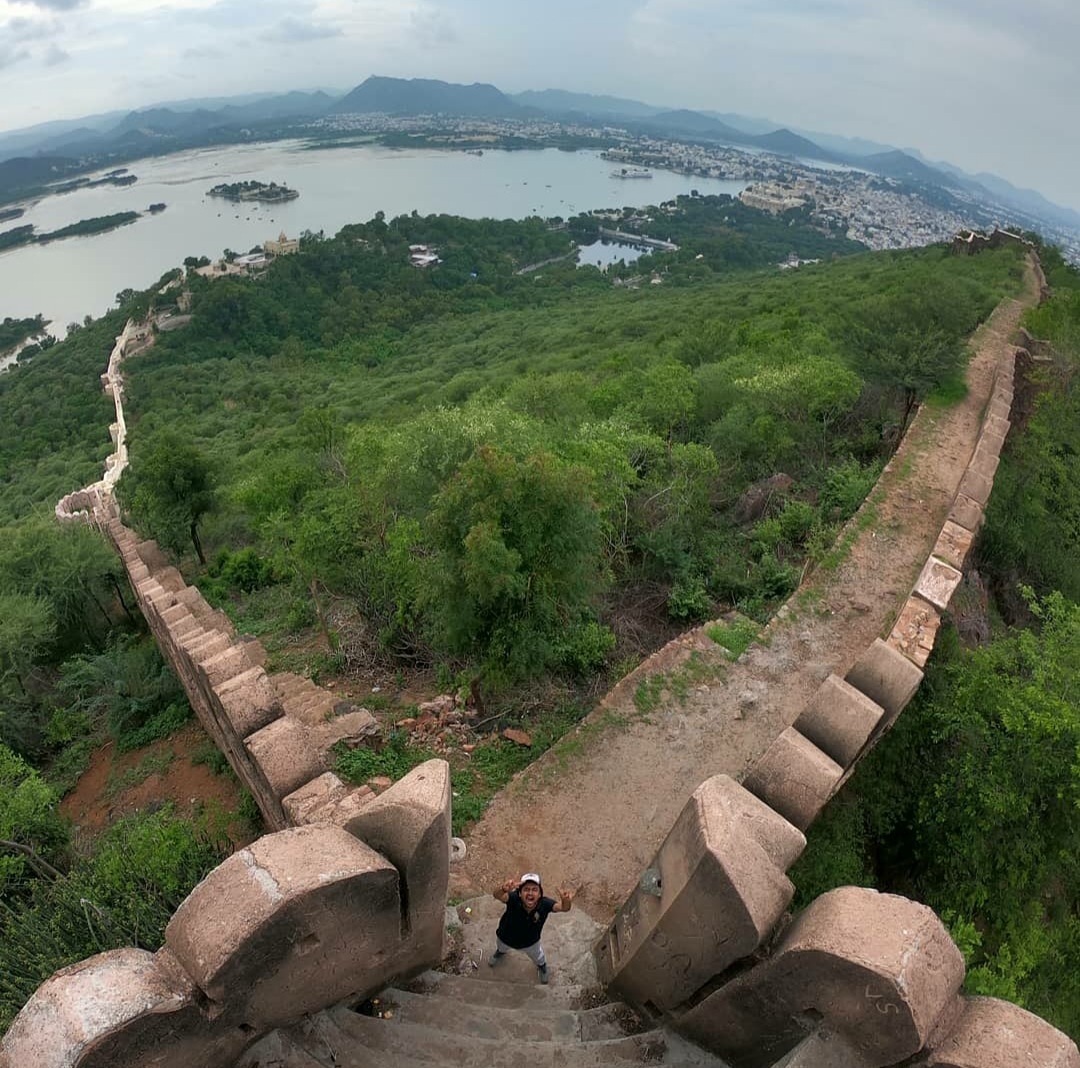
{"type": "Point", "coordinates": [350, 895]}
{"type": "Point", "coordinates": [859, 977]}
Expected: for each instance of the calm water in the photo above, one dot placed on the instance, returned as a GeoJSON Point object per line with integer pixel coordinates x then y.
{"type": "Point", "coordinates": [604, 253]}
{"type": "Point", "coordinates": [66, 280]}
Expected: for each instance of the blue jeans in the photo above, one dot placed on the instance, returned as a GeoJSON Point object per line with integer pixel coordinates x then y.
{"type": "Point", "coordinates": [535, 952]}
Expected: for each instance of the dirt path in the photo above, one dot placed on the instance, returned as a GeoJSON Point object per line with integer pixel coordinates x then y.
{"type": "Point", "coordinates": [594, 809]}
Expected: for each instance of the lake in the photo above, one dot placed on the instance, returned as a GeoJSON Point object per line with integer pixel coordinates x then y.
{"type": "Point", "coordinates": [67, 280]}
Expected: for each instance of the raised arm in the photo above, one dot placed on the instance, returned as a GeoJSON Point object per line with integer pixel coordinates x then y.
{"type": "Point", "coordinates": [566, 900]}
{"type": "Point", "coordinates": [502, 893]}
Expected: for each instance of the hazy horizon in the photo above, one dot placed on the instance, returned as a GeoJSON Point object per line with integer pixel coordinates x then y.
{"type": "Point", "coordinates": [987, 86]}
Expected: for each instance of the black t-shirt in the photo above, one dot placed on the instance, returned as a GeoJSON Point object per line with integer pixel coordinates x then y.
{"type": "Point", "coordinates": [519, 928]}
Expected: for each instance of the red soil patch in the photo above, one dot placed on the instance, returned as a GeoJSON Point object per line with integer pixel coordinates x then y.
{"type": "Point", "coordinates": [98, 800]}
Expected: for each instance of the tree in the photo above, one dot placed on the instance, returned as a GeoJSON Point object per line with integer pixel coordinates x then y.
{"type": "Point", "coordinates": [519, 561]}
{"type": "Point", "coordinates": [33, 835]}
{"type": "Point", "coordinates": [167, 490]}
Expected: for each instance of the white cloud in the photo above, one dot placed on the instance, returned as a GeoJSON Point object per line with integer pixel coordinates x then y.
{"type": "Point", "coordinates": [985, 83]}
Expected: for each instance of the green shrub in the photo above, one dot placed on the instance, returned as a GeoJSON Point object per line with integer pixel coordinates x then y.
{"type": "Point", "coordinates": [123, 895]}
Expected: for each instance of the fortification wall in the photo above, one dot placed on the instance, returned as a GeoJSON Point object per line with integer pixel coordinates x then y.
{"type": "Point", "coordinates": [300, 920]}
{"type": "Point", "coordinates": [277, 730]}
{"type": "Point", "coordinates": [704, 937]}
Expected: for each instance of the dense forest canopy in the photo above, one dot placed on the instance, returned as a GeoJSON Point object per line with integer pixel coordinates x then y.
{"type": "Point", "coordinates": [507, 479]}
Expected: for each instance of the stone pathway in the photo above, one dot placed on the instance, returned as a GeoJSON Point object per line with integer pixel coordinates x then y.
{"type": "Point", "coordinates": [594, 809]}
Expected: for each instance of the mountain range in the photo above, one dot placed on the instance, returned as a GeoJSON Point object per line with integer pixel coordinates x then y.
{"type": "Point", "coordinates": [221, 120]}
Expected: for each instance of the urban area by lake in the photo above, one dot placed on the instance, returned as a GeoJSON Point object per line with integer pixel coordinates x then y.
{"type": "Point", "coordinates": [67, 280]}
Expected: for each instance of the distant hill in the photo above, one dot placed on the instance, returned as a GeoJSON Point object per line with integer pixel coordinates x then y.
{"type": "Point", "coordinates": [694, 122]}
{"type": "Point", "coordinates": [791, 144]}
{"type": "Point", "coordinates": [559, 101]}
{"type": "Point", "coordinates": [25, 172]}
{"type": "Point", "coordinates": [422, 96]}
{"type": "Point", "coordinates": [897, 164]}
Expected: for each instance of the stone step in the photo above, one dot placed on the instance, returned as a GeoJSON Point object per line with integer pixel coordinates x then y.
{"type": "Point", "coordinates": [282, 1049]}
{"type": "Point", "coordinates": [543, 1023]}
{"type": "Point", "coordinates": [488, 988]}
{"type": "Point", "coordinates": [289, 685]}
{"type": "Point", "coordinates": [312, 709]}
{"type": "Point", "coordinates": [366, 1036]}
{"type": "Point", "coordinates": [823, 1051]}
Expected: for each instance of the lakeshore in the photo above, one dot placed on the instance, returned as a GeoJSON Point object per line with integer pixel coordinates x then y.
{"type": "Point", "coordinates": [71, 279]}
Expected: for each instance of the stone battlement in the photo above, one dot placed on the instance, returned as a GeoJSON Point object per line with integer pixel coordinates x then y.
{"type": "Point", "coordinates": [704, 939]}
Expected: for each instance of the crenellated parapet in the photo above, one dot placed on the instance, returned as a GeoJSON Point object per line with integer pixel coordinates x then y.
{"type": "Point", "coordinates": [859, 977]}
{"type": "Point", "coordinates": [300, 920]}
{"type": "Point", "coordinates": [278, 731]}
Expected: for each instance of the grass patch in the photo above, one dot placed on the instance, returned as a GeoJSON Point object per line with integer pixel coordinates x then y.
{"type": "Point", "coordinates": [734, 637]}
{"type": "Point", "coordinates": [151, 764]}
{"type": "Point", "coordinates": [395, 760]}
{"type": "Point", "coordinates": [491, 766]}
{"type": "Point", "coordinates": [207, 753]}
{"type": "Point", "coordinates": [648, 693]}
{"type": "Point", "coordinates": [950, 392]}
{"type": "Point", "coordinates": [495, 763]}
{"type": "Point", "coordinates": [68, 765]}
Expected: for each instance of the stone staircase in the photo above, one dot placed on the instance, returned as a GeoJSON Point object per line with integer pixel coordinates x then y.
{"type": "Point", "coordinates": [476, 1022]}
{"type": "Point", "coordinates": [480, 1017]}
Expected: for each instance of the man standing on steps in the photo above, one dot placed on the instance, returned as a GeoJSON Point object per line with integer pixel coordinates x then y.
{"type": "Point", "coordinates": [526, 911]}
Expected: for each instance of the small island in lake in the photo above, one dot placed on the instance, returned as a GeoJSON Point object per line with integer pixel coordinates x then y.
{"type": "Point", "coordinates": [271, 193]}
{"type": "Point", "coordinates": [25, 235]}
{"type": "Point", "coordinates": [6, 214]}
{"type": "Point", "coordinates": [155, 208]}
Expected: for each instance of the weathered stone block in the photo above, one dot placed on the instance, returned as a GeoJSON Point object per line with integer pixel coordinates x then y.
{"type": "Point", "coordinates": [409, 824]}
{"type": "Point", "coordinates": [184, 626]}
{"type": "Point", "coordinates": [717, 889]}
{"type": "Point", "coordinates": [938, 583]}
{"type": "Point", "coordinates": [985, 462]}
{"type": "Point", "coordinates": [887, 677]}
{"type": "Point", "coordinates": [915, 630]}
{"type": "Point", "coordinates": [839, 720]}
{"type": "Point", "coordinates": [966, 513]}
{"type": "Point", "coordinates": [298, 921]}
{"type": "Point", "coordinates": [226, 665]}
{"type": "Point", "coordinates": [875, 968]}
{"type": "Point", "coordinates": [355, 728]}
{"type": "Point", "coordinates": [286, 755]}
{"type": "Point", "coordinates": [125, 1007]}
{"type": "Point", "coordinates": [302, 804]}
{"type": "Point", "coordinates": [249, 701]}
{"type": "Point", "coordinates": [795, 778]}
{"type": "Point", "coordinates": [151, 555]}
{"type": "Point", "coordinates": [992, 440]}
{"type": "Point", "coordinates": [976, 486]}
{"type": "Point", "coordinates": [211, 643]}
{"type": "Point", "coordinates": [953, 544]}
{"type": "Point", "coordinates": [996, 1034]}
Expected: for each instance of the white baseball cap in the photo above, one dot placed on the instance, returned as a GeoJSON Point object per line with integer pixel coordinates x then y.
{"type": "Point", "coordinates": [531, 877]}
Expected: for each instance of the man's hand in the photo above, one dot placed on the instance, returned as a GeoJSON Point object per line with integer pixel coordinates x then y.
{"type": "Point", "coordinates": [566, 899]}
{"type": "Point", "coordinates": [504, 891]}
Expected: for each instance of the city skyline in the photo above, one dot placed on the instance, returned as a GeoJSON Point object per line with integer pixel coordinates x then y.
{"type": "Point", "coordinates": [986, 86]}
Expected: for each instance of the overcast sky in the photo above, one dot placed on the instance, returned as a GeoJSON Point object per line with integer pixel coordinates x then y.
{"type": "Point", "coordinates": [986, 84]}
